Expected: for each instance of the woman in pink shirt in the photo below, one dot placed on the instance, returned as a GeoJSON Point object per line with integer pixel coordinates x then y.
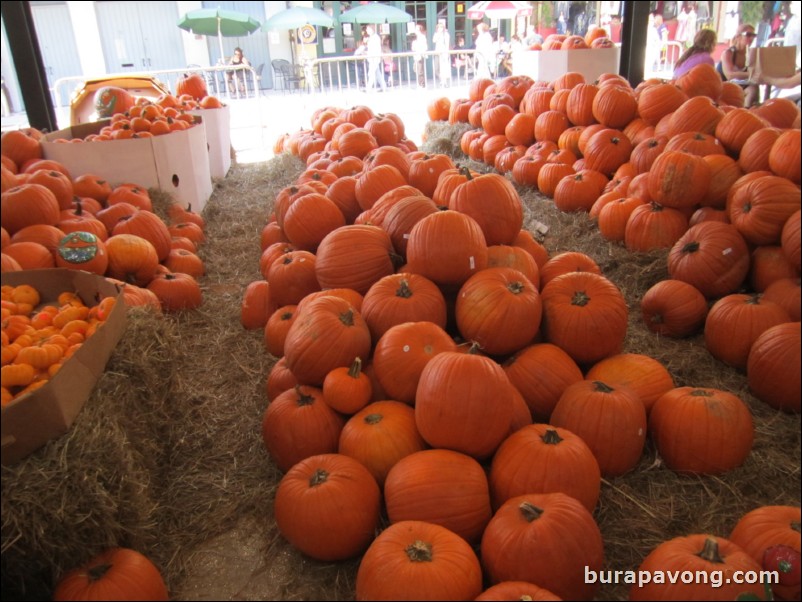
{"type": "Point", "coordinates": [697, 54]}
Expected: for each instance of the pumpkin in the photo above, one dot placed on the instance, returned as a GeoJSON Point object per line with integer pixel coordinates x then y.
{"type": "Point", "coordinates": [644, 375]}
{"type": "Point", "coordinates": [673, 308]}
{"type": "Point", "coordinates": [735, 322]}
{"type": "Point", "coordinates": [711, 256]}
{"type": "Point", "coordinates": [757, 531]}
{"type": "Point", "coordinates": [516, 590]}
{"type": "Point", "coordinates": [328, 507]}
{"type": "Point", "coordinates": [292, 277]}
{"type": "Point", "coordinates": [760, 208]}
{"type": "Point", "coordinates": [585, 314]}
{"type": "Point", "coordinates": [525, 525]}
{"type": "Point", "coordinates": [354, 257]}
{"type": "Point", "coordinates": [347, 389]}
{"type": "Point", "coordinates": [82, 251]}
{"type": "Point", "coordinates": [701, 430]}
{"type": "Point", "coordinates": [402, 297]}
{"type": "Point", "coordinates": [401, 354]}
{"type": "Point", "coordinates": [176, 291]}
{"type": "Point", "coordinates": [110, 100]}
{"type": "Point", "coordinates": [26, 205]}
{"type": "Point", "coordinates": [790, 239]}
{"type": "Point", "coordinates": [432, 252]}
{"type": "Point", "coordinates": [611, 420]}
{"type": "Point", "coordinates": [439, 486]}
{"type": "Point", "coordinates": [426, 562]}
{"type": "Point", "coordinates": [22, 145]}
{"type": "Point", "coordinates": [786, 293]}
{"type": "Point", "coordinates": [771, 367]}
{"type": "Point", "coordinates": [499, 309]}
{"type": "Point", "coordinates": [328, 333]}
{"type": "Point", "coordinates": [114, 574]}
{"type": "Point", "coordinates": [379, 435]}
{"type": "Point", "coordinates": [784, 156]}
{"type": "Point", "coordinates": [192, 84]}
{"type": "Point", "coordinates": [716, 557]}
{"type": "Point", "coordinates": [452, 403]}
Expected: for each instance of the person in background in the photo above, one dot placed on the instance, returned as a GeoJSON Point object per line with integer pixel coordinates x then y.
{"type": "Point", "coordinates": [238, 75]}
{"type": "Point", "coordinates": [375, 62]}
{"type": "Point", "coordinates": [686, 24]}
{"type": "Point", "coordinates": [442, 64]}
{"type": "Point", "coordinates": [532, 37]}
{"type": "Point", "coordinates": [461, 58]}
{"type": "Point", "coordinates": [362, 66]}
{"type": "Point", "coordinates": [389, 64]}
{"type": "Point", "coordinates": [420, 46]}
{"type": "Point", "coordinates": [764, 27]}
{"type": "Point", "coordinates": [704, 42]}
{"type": "Point", "coordinates": [732, 65]}
{"type": "Point", "coordinates": [656, 36]}
{"type": "Point", "coordinates": [484, 51]}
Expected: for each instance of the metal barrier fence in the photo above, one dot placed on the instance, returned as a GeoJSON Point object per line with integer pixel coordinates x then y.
{"type": "Point", "coordinates": [399, 69]}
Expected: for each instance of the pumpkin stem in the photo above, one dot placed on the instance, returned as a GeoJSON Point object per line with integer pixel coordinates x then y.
{"type": "Point", "coordinates": [97, 572]}
{"type": "Point", "coordinates": [374, 418]}
{"type": "Point", "coordinates": [530, 512]}
{"type": "Point", "coordinates": [466, 172]}
{"type": "Point", "coordinates": [347, 317]}
{"type": "Point", "coordinates": [795, 526]}
{"type": "Point", "coordinates": [397, 260]}
{"type": "Point", "coordinates": [474, 348]}
{"type": "Point", "coordinates": [320, 477]}
{"type": "Point", "coordinates": [580, 298]}
{"type": "Point", "coordinates": [754, 299]}
{"type": "Point", "coordinates": [601, 387]}
{"type": "Point", "coordinates": [403, 289]}
{"type": "Point", "coordinates": [356, 368]}
{"type": "Point", "coordinates": [710, 551]}
{"type": "Point", "coordinates": [701, 393]}
{"type": "Point", "coordinates": [691, 247]}
{"type": "Point", "coordinates": [420, 551]}
{"type": "Point", "coordinates": [304, 399]}
{"type": "Point", "coordinates": [516, 288]}
{"type": "Point", "coordinates": [551, 437]}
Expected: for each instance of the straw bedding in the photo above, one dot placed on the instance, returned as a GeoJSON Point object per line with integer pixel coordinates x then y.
{"type": "Point", "coordinates": [167, 456]}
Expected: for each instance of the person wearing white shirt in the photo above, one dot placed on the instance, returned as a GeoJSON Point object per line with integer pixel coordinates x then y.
{"type": "Point", "coordinates": [442, 44]}
{"type": "Point", "coordinates": [419, 47]}
{"type": "Point", "coordinates": [484, 51]}
{"type": "Point", "coordinates": [375, 62]}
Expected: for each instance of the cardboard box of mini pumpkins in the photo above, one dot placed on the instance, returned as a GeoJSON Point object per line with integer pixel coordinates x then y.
{"type": "Point", "coordinates": [218, 139]}
{"type": "Point", "coordinates": [177, 163]}
{"type": "Point", "coordinates": [48, 412]}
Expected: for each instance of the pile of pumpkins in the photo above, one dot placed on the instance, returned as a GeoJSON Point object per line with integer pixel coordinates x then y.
{"type": "Point", "coordinates": [51, 219]}
{"type": "Point", "coordinates": [420, 333]}
{"type": "Point", "coordinates": [678, 165]}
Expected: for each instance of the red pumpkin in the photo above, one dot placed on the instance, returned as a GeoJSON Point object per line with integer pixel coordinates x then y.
{"type": "Point", "coordinates": [176, 291]}
{"type": "Point", "coordinates": [439, 486]}
{"type": "Point", "coordinates": [328, 507]}
{"type": "Point", "coordinates": [673, 308]}
{"type": "Point", "coordinates": [451, 403]}
{"type": "Point", "coordinates": [192, 84]}
{"type": "Point", "coordinates": [110, 100]}
{"type": "Point", "coordinates": [115, 574]}
{"type": "Point", "coordinates": [760, 530]}
{"type": "Point", "coordinates": [380, 435]}
{"type": "Point", "coordinates": [426, 561]}
{"type": "Point", "coordinates": [771, 367]}
{"type": "Point", "coordinates": [701, 430]}
{"type": "Point", "coordinates": [526, 525]}
{"type": "Point", "coordinates": [585, 314]}
{"type": "Point", "coordinates": [499, 309]}
{"type": "Point", "coordinates": [718, 558]}
{"type": "Point", "coordinates": [354, 257]}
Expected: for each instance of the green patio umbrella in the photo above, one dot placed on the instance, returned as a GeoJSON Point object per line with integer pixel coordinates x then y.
{"type": "Point", "coordinates": [218, 22]}
{"type": "Point", "coordinates": [375, 13]}
{"type": "Point", "coordinates": [293, 18]}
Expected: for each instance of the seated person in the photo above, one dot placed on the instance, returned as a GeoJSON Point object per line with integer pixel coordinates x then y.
{"type": "Point", "coordinates": [698, 53]}
{"type": "Point", "coordinates": [238, 75]}
{"type": "Point", "coordinates": [733, 63]}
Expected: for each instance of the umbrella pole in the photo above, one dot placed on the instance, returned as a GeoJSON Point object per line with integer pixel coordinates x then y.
{"type": "Point", "coordinates": [222, 56]}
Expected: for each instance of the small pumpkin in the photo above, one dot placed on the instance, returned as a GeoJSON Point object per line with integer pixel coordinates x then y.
{"type": "Point", "coordinates": [82, 251]}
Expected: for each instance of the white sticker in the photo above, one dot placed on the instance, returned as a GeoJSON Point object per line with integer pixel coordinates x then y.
{"type": "Point", "coordinates": [472, 263]}
{"type": "Point", "coordinates": [727, 251]}
{"type": "Point", "coordinates": [405, 348]}
{"type": "Point", "coordinates": [405, 236]}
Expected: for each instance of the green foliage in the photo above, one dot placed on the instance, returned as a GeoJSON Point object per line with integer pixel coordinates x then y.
{"type": "Point", "coordinates": [751, 12]}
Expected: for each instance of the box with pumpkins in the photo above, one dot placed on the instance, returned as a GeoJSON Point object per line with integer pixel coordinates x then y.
{"type": "Point", "coordinates": [174, 143]}
{"type": "Point", "coordinates": [75, 252]}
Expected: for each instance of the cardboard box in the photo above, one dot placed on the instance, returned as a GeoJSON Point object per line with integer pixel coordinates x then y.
{"type": "Point", "coordinates": [772, 61]}
{"type": "Point", "coordinates": [548, 65]}
{"type": "Point", "coordinates": [48, 412]}
{"type": "Point", "coordinates": [176, 163]}
{"type": "Point", "coordinates": [218, 139]}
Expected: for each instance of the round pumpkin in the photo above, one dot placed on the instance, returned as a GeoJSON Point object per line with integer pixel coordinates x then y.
{"type": "Point", "coordinates": [328, 507]}
{"type": "Point", "coordinates": [82, 251]}
{"type": "Point", "coordinates": [771, 367]}
{"type": "Point", "coordinates": [114, 574]}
